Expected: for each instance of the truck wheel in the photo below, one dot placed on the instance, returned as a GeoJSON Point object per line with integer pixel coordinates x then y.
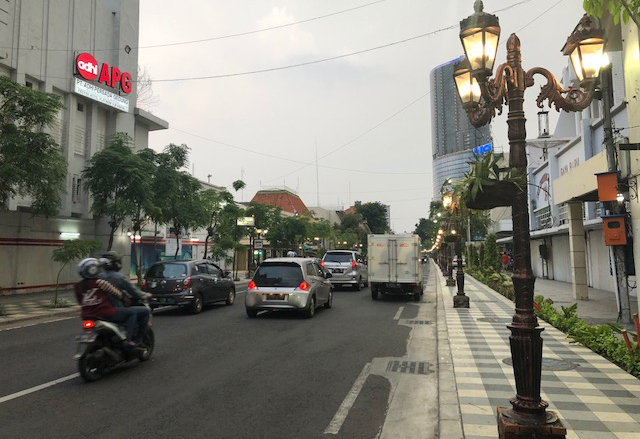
{"type": "Point", "coordinates": [358, 285]}
{"type": "Point", "coordinates": [374, 293]}
{"type": "Point", "coordinates": [416, 296]}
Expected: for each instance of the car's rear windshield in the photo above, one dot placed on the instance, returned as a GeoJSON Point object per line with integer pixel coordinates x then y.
{"type": "Point", "coordinates": [278, 274]}
{"type": "Point", "coordinates": [167, 271]}
{"type": "Point", "coordinates": [338, 257]}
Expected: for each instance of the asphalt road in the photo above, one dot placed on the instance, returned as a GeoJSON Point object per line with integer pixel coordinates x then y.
{"type": "Point", "coordinates": [218, 374]}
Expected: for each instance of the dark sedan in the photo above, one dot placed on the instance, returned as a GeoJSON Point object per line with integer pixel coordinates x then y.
{"type": "Point", "coordinates": [190, 284]}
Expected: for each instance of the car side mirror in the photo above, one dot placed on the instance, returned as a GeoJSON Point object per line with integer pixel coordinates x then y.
{"type": "Point", "coordinates": [328, 275]}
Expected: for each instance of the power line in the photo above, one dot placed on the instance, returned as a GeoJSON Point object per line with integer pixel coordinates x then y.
{"type": "Point", "coordinates": [293, 160]}
{"type": "Point", "coordinates": [258, 30]}
{"type": "Point", "coordinates": [358, 137]}
{"type": "Point", "coordinates": [221, 37]}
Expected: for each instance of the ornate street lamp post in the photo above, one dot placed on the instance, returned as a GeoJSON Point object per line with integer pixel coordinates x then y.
{"type": "Point", "coordinates": [481, 97]}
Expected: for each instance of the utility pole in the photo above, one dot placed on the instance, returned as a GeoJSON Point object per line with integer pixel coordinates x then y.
{"type": "Point", "coordinates": [619, 258]}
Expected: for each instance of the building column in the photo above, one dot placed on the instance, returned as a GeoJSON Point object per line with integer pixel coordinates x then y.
{"type": "Point", "coordinates": [634, 208]}
{"type": "Point", "coordinates": [577, 251]}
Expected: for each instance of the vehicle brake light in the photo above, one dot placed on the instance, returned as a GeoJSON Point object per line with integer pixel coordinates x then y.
{"type": "Point", "coordinates": [322, 264]}
{"type": "Point", "coordinates": [252, 286]}
{"type": "Point", "coordinates": [304, 286]}
{"type": "Point", "coordinates": [88, 324]}
{"type": "Point", "coordinates": [187, 283]}
{"type": "Point", "coordinates": [353, 264]}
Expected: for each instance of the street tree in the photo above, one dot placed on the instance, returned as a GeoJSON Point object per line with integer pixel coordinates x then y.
{"type": "Point", "coordinates": [238, 185]}
{"type": "Point", "coordinates": [213, 203]}
{"type": "Point", "coordinates": [120, 182]}
{"type": "Point", "coordinates": [67, 253]}
{"type": "Point", "coordinates": [31, 163]}
{"type": "Point", "coordinates": [177, 193]}
{"type": "Point", "coordinates": [289, 233]}
{"type": "Point", "coordinates": [145, 95]}
{"type": "Point", "coordinates": [625, 9]}
{"type": "Point", "coordinates": [375, 214]}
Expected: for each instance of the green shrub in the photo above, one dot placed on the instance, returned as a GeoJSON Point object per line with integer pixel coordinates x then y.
{"type": "Point", "coordinates": [599, 338]}
{"type": "Point", "coordinates": [59, 303]}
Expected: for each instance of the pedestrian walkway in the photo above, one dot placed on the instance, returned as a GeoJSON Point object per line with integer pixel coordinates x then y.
{"type": "Point", "coordinates": [593, 397]}
{"type": "Point", "coordinates": [600, 309]}
{"type": "Point", "coordinates": [33, 306]}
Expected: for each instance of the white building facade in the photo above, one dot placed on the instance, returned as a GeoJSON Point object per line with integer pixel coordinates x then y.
{"type": "Point", "coordinates": [86, 52]}
{"type": "Point", "coordinates": [567, 238]}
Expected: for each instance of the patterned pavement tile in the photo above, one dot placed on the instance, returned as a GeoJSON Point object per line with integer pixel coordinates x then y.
{"type": "Point", "coordinates": [595, 399]}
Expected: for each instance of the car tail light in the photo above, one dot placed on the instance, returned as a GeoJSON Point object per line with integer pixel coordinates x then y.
{"type": "Point", "coordinates": [252, 286]}
{"type": "Point", "coordinates": [322, 264]}
{"type": "Point", "coordinates": [187, 283]}
{"type": "Point", "coordinates": [353, 264]}
{"type": "Point", "coordinates": [304, 286]}
{"type": "Point", "coordinates": [88, 324]}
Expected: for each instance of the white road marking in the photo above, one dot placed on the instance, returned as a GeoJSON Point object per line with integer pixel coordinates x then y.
{"type": "Point", "coordinates": [38, 388]}
{"type": "Point", "coordinates": [343, 411]}
{"type": "Point", "coordinates": [399, 313]}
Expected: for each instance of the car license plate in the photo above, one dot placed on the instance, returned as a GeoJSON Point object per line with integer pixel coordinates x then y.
{"type": "Point", "coordinates": [273, 296]}
{"type": "Point", "coordinates": [153, 284]}
{"type": "Point", "coordinates": [86, 338]}
{"type": "Point", "coordinates": [337, 270]}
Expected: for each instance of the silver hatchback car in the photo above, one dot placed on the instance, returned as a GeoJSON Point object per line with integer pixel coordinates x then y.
{"type": "Point", "coordinates": [298, 284]}
{"type": "Point", "coordinates": [347, 268]}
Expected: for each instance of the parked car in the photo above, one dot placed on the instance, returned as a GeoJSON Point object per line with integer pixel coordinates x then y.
{"type": "Point", "coordinates": [347, 268]}
{"type": "Point", "coordinates": [297, 284]}
{"type": "Point", "coordinates": [190, 284]}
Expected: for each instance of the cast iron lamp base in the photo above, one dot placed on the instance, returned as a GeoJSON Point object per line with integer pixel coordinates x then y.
{"type": "Point", "coordinates": [451, 282]}
{"type": "Point", "coordinates": [513, 426]}
{"type": "Point", "coordinates": [460, 301]}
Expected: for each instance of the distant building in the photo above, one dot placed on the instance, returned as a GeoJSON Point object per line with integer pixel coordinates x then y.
{"type": "Point", "coordinates": [453, 136]}
{"type": "Point", "coordinates": [284, 198]}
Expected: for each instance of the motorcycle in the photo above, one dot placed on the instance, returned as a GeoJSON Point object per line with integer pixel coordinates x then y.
{"type": "Point", "coordinates": [101, 348]}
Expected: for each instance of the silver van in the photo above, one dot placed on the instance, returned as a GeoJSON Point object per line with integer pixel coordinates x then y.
{"type": "Point", "coordinates": [347, 268]}
{"type": "Point", "coordinates": [297, 284]}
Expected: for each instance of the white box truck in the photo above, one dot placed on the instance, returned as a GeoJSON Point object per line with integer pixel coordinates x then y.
{"type": "Point", "coordinates": [394, 265]}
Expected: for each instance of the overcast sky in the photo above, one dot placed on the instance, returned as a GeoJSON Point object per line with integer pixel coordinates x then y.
{"type": "Point", "coordinates": [368, 114]}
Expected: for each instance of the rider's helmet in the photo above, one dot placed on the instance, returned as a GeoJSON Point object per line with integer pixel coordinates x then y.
{"type": "Point", "coordinates": [292, 254]}
{"type": "Point", "coordinates": [88, 268]}
{"type": "Point", "coordinates": [112, 261]}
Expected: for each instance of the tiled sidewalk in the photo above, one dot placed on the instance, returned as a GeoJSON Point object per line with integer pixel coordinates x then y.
{"type": "Point", "coordinates": [594, 399]}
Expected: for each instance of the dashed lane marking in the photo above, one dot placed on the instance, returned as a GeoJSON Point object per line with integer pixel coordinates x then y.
{"type": "Point", "coordinates": [399, 313]}
{"type": "Point", "coordinates": [343, 411]}
{"type": "Point", "coordinates": [38, 388]}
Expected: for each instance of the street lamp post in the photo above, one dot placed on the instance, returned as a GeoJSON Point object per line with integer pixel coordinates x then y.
{"type": "Point", "coordinates": [460, 300]}
{"type": "Point", "coordinates": [481, 97]}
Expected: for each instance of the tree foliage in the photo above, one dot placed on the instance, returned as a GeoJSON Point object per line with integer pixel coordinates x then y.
{"type": "Point", "coordinates": [120, 182]}
{"type": "Point", "coordinates": [213, 203]}
{"type": "Point", "coordinates": [375, 214]}
{"type": "Point", "coordinates": [177, 193]}
{"type": "Point", "coordinates": [31, 163]}
{"type": "Point", "coordinates": [289, 233]}
{"type": "Point", "coordinates": [625, 9]}
{"type": "Point", "coordinates": [492, 258]}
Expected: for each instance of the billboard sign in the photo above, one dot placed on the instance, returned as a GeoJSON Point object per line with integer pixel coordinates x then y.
{"type": "Point", "coordinates": [246, 221]}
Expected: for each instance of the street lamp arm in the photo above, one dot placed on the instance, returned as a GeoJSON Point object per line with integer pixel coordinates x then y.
{"type": "Point", "coordinates": [494, 91]}
{"type": "Point", "coordinates": [552, 91]}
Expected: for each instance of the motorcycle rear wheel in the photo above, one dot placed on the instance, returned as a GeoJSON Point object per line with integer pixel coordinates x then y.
{"type": "Point", "coordinates": [90, 368]}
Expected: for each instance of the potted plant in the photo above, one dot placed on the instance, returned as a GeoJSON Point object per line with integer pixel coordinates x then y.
{"type": "Point", "coordinates": [487, 185]}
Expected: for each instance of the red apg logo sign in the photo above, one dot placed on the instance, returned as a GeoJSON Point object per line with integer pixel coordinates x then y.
{"type": "Point", "coordinates": [87, 67]}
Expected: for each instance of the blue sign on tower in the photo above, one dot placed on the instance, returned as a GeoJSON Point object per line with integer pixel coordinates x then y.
{"type": "Point", "coordinates": [483, 149]}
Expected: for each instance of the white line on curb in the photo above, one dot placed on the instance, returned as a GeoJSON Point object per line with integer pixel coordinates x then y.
{"type": "Point", "coordinates": [342, 413]}
{"type": "Point", "coordinates": [399, 313]}
{"type": "Point", "coordinates": [37, 388]}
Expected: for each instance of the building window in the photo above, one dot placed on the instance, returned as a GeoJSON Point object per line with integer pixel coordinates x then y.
{"type": "Point", "coordinates": [29, 84]}
{"type": "Point", "coordinates": [543, 218]}
{"type": "Point", "coordinates": [79, 141]}
{"type": "Point", "coordinates": [76, 189]}
{"type": "Point", "coordinates": [80, 107]}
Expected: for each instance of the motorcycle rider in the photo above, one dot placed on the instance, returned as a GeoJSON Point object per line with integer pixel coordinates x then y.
{"type": "Point", "coordinates": [112, 263]}
{"type": "Point", "coordinates": [99, 298]}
